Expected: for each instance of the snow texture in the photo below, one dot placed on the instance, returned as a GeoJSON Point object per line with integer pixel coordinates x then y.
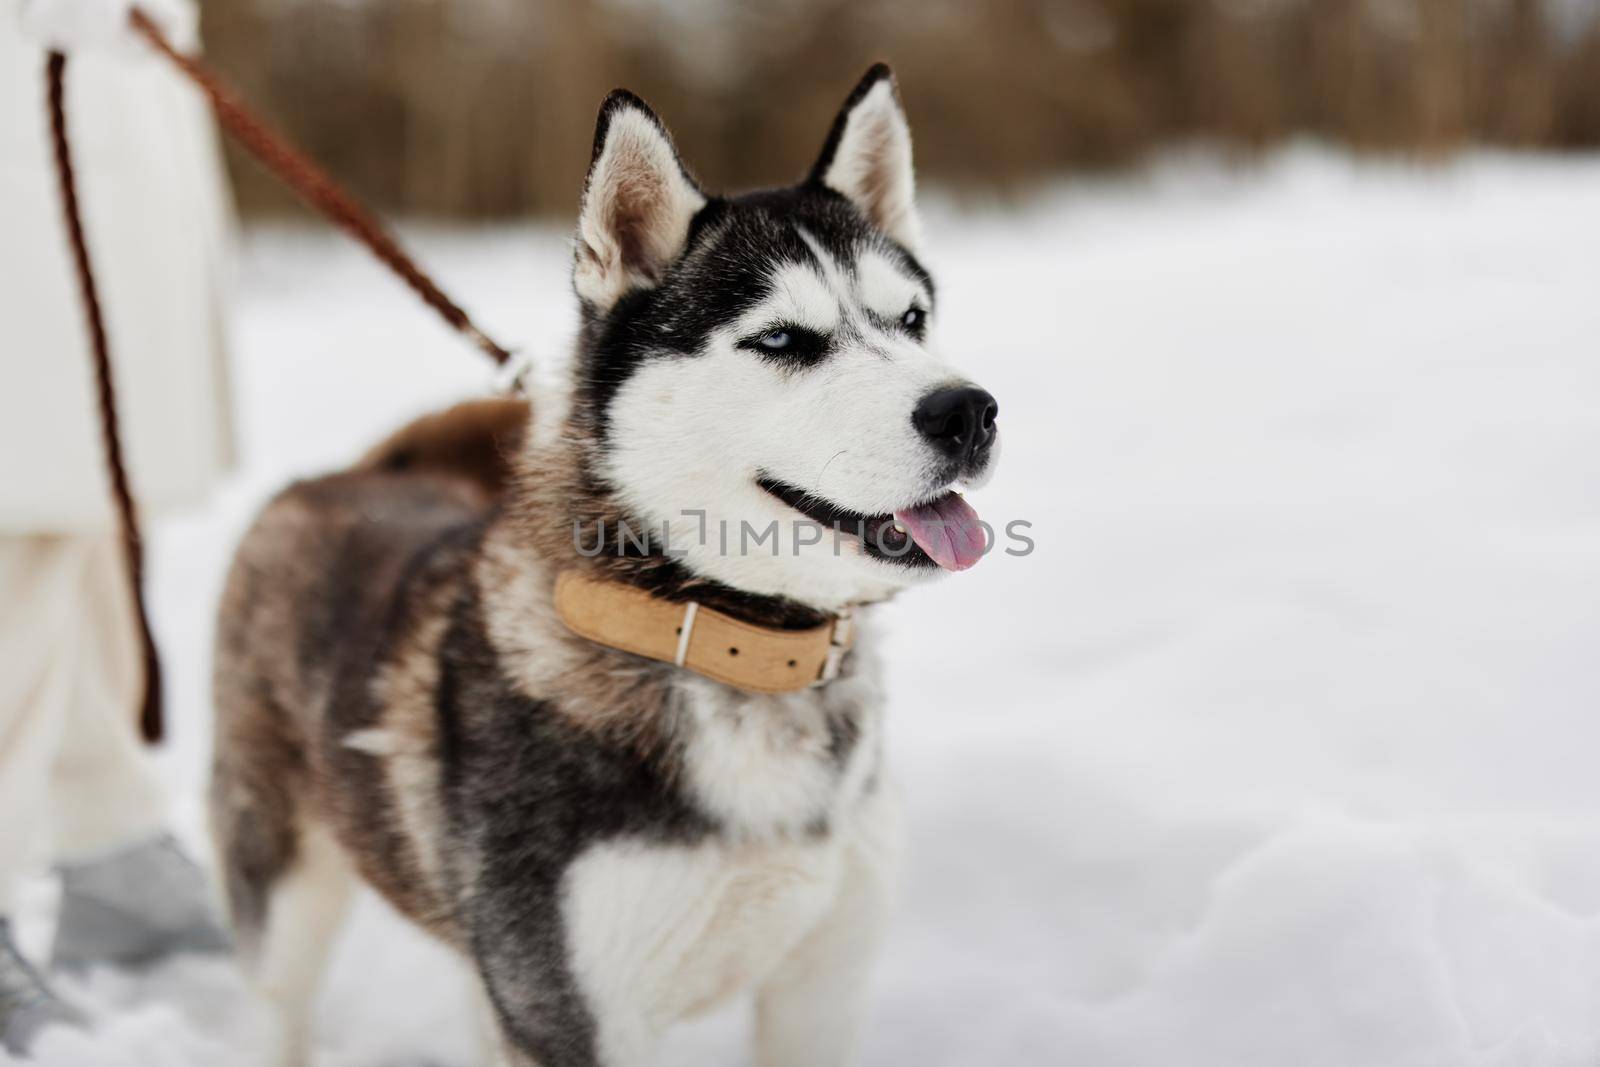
{"type": "Point", "coordinates": [1277, 750]}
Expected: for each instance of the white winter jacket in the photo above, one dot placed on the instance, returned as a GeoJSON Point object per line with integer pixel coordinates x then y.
{"type": "Point", "coordinates": [157, 218]}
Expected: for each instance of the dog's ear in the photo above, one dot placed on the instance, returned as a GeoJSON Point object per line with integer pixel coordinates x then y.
{"type": "Point", "coordinates": [867, 157]}
{"type": "Point", "coordinates": [638, 202]}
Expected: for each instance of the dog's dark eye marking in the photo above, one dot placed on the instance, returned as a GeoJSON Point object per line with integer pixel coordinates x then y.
{"type": "Point", "coordinates": [915, 321]}
{"type": "Point", "coordinates": [788, 343]}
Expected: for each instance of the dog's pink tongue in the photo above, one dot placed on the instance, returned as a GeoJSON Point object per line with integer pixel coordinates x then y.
{"type": "Point", "coordinates": [947, 529]}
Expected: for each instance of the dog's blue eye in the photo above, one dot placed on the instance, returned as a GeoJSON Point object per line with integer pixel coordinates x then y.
{"type": "Point", "coordinates": [789, 345]}
{"type": "Point", "coordinates": [913, 319]}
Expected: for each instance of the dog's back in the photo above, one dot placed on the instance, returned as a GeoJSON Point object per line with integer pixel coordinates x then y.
{"type": "Point", "coordinates": [472, 442]}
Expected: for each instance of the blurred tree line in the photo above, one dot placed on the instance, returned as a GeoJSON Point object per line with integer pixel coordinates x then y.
{"type": "Point", "coordinates": [475, 108]}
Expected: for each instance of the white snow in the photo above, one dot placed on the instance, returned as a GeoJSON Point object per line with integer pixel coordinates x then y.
{"type": "Point", "coordinates": [1277, 751]}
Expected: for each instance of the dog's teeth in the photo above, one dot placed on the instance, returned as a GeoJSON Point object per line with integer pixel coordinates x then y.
{"type": "Point", "coordinates": [899, 527]}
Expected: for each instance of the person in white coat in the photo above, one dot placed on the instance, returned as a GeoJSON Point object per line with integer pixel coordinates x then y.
{"type": "Point", "coordinates": [76, 785]}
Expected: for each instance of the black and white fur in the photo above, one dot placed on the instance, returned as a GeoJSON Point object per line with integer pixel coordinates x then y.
{"type": "Point", "coordinates": [615, 844]}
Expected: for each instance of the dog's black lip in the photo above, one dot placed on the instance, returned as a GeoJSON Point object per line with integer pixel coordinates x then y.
{"type": "Point", "coordinates": [878, 535]}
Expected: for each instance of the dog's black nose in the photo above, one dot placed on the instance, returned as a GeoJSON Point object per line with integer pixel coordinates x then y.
{"type": "Point", "coordinates": [959, 421]}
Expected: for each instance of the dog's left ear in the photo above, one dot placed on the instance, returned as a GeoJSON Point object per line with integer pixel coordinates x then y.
{"type": "Point", "coordinates": [638, 203]}
{"type": "Point", "coordinates": [867, 157]}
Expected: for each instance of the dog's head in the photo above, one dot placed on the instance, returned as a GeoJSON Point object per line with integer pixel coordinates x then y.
{"type": "Point", "coordinates": [750, 363]}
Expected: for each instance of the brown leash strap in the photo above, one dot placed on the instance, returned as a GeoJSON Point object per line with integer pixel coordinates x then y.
{"type": "Point", "coordinates": [106, 396]}
{"type": "Point", "coordinates": [314, 186]}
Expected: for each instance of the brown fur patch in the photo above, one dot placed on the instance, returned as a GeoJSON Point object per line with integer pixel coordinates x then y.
{"type": "Point", "coordinates": [477, 440]}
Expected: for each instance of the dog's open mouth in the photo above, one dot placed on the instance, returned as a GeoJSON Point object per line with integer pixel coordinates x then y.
{"type": "Point", "coordinates": [944, 531]}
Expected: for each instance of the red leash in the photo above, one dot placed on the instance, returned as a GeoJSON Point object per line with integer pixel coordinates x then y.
{"type": "Point", "coordinates": [313, 185]}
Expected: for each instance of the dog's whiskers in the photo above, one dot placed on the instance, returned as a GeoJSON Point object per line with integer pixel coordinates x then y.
{"type": "Point", "coordinates": [817, 492]}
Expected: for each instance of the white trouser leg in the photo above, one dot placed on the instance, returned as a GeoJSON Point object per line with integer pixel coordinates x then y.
{"type": "Point", "coordinates": [70, 758]}
{"type": "Point", "coordinates": [103, 790]}
{"type": "Point", "coordinates": [39, 580]}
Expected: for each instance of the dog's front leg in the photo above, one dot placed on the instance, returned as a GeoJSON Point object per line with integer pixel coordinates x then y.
{"type": "Point", "coordinates": [809, 1013]}
{"type": "Point", "coordinates": [498, 1048]}
{"type": "Point", "coordinates": [494, 1047]}
{"type": "Point", "coordinates": [536, 1017]}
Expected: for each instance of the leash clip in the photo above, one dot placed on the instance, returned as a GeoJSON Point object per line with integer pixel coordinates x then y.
{"type": "Point", "coordinates": [512, 379]}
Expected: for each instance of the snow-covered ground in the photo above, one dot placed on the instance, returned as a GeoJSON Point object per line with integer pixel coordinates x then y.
{"type": "Point", "coordinates": [1281, 747]}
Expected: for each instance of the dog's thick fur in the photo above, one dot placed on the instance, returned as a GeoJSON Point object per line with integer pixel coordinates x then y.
{"type": "Point", "coordinates": [613, 843]}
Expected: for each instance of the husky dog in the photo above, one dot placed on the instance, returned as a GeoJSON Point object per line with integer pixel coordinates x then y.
{"type": "Point", "coordinates": [615, 840]}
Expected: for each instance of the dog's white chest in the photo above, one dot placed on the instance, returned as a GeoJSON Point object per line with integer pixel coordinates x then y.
{"type": "Point", "coordinates": [764, 766]}
{"type": "Point", "coordinates": [656, 933]}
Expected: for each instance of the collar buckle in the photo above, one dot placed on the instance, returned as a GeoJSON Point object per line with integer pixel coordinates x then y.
{"type": "Point", "coordinates": [840, 641]}
{"type": "Point", "coordinates": [685, 631]}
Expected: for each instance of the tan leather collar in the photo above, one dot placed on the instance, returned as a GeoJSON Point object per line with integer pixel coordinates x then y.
{"type": "Point", "coordinates": [758, 659]}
